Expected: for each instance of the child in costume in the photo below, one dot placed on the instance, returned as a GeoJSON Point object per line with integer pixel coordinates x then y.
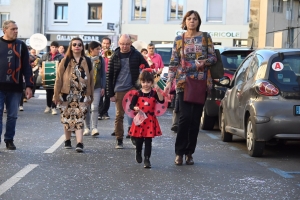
{"type": "Point", "coordinates": [145, 100]}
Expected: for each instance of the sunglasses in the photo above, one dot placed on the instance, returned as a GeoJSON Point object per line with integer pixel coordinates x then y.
{"type": "Point", "coordinates": [75, 44]}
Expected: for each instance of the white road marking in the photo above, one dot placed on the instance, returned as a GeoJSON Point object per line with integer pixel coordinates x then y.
{"type": "Point", "coordinates": [14, 179]}
{"type": "Point", "coordinates": [56, 145]}
{"type": "Point", "coordinates": [40, 96]}
{"type": "Point", "coordinates": [212, 136]}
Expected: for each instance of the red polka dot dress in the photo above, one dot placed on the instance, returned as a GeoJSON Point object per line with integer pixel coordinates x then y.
{"type": "Point", "coordinates": [146, 102]}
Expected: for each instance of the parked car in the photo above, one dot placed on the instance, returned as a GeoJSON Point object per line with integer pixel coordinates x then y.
{"type": "Point", "coordinates": [231, 59]}
{"type": "Point", "coordinates": [262, 102]}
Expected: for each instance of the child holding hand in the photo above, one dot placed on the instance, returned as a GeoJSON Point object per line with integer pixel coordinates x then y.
{"type": "Point", "coordinates": [145, 100]}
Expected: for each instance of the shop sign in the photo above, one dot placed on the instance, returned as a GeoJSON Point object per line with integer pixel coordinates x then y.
{"type": "Point", "coordinates": [83, 37]}
{"type": "Point", "coordinates": [225, 34]}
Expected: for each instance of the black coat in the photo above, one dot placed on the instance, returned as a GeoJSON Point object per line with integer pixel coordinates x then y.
{"type": "Point", "coordinates": [114, 68]}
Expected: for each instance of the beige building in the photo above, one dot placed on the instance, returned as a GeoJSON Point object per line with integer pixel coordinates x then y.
{"type": "Point", "coordinates": [27, 15]}
{"type": "Point", "coordinates": [158, 21]}
{"type": "Point", "coordinates": [275, 23]}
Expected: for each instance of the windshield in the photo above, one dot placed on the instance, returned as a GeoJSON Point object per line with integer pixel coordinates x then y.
{"type": "Point", "coordinates": [165, 54]}
{"type": "Point", "coordinates": [285, 74]}
{"type": "Point", "coordinates": [232, 59]}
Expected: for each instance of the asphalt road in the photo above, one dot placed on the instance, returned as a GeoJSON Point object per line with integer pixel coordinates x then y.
{"type": "Point", "coordinates": [41, 168]}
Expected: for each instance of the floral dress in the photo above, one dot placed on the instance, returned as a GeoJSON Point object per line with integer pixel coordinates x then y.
{"type": "Point", "coordinates": [74, 107]}
{"type": "Point", "coordinates": [150, 126]}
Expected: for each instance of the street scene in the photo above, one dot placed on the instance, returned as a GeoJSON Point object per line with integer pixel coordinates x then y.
{"type": "Point", "coordinates": [41, 168]}
{"type": "Point", "coordinates": [140, 99]}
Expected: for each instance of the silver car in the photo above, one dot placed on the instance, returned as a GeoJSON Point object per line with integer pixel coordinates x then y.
{"type": "Point", "coordinates": [262, 102]}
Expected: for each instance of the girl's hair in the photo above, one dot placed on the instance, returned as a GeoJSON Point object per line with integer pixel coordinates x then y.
{"type": "Point", "coordinates": [93, 45]}
{"type": "Point", "coordinates": [146, 76]}
{"type": "Point", "coordinates": [69, 52]}
{"type": "Point", "coordinates": [189, 13]}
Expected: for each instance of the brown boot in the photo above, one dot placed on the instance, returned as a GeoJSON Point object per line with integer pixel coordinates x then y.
{"type": "Point", "coordinates": [189, 159]}
{"type": "Point", "coordinates": [178, 160]}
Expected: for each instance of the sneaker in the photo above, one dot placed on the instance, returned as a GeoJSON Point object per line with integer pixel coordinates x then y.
{"type": "Point", "coordinates": [138, 156]}
{"type": "Point", "coordinates": [95, 132]}
{"type": "Point", "coordinates": [105, 116]}
{"type": "Point", "coordinates": [24, 100]}
{"type": "Point", "coordinates": [54, 112]}
{"type": "Point", "coordinates": [47, 110]}
{"type": "Point", "coordinates": [10, 145]}
{"type": "Point", "coordinates": [21, 108]}
{"type": "Point", "coordinates": [113, 134]}
{"type": "Point", "coordinates": [99, 117]}
{"type": "Point", "coordinates": [79, 147]}
{"type": "Point", "coordinates": [68, 144]}
{"type": "Point", "coordinates": [119, 144]}
{"type": "Point", "coordinates": [147, 163]}
{"type": "Point", "coordinates": [86, 131]}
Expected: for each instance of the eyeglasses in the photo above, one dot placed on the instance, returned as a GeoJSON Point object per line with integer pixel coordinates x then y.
{"type": "Point", "coordinates": [126, 44]}
{"type": "Point", "coordinates": [75, 44]}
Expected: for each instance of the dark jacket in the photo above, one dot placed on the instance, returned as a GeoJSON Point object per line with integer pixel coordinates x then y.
{"type": "Point", "coordinates": [114, 68]}
{"type": "Point", "coordinates": [25, 69]}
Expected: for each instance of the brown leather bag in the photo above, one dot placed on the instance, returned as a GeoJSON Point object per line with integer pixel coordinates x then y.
{"type": "Point", "coordinates": [194, 90]}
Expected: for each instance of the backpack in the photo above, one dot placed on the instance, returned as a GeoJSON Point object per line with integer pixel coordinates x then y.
{"type": "Point", "coordinates": [216, 70]}
{"type": "Point", "coordinates": [88, 60]}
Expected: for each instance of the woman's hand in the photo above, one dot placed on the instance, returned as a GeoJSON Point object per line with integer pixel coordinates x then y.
{"type": "Point", "coordinates": [200, 64]}
{"type": "Point", "coordinates": [113, 99]}
{"type": "Point", "coordinates": [167, 88]}
{"type": "Point", "coordinates": [136, 109]}
{"type": "Point", "coordinates": [102, 92]}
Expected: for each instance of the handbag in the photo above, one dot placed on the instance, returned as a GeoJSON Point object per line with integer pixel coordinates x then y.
{"type": "Point", "coordinates": [194, 90]}
{"type": "Point", "coordinates": [217, 69]}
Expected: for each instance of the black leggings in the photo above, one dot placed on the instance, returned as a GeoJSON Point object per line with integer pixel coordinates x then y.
{"type": "Point", "coordinates": [148, 145]}
{"type": "Point", "coordinates": [49, 96]}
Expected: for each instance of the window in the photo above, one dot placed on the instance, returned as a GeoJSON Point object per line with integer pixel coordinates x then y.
{"type": "Point", "coordinates": [61, 13]}
{"type": "Point", "coordinates": [240, 74]}
{"type": "Point", "coordinates": [4, 2]}
{"type": "Point", "coordinates": [3, 17]}
{"type": "Point", "coordinates": [175, 9]}
{"type": "Point", "coordinates": [95, 13]}
{"type": "Point", "coordinates": [278, 6]}
{"type": "Point", "coordinates": [214, 10]}
{"type": "Point", "coordinates": [139, 10]}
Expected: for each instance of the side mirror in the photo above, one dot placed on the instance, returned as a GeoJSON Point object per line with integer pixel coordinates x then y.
{"type": "Point", "coordinates": [224, 81]}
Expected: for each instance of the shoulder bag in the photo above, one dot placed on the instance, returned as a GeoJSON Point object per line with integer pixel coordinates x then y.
{"type": "Point", "coordinates": [194, 90]}
{"type": "Point", "coordinates": [216, 70]}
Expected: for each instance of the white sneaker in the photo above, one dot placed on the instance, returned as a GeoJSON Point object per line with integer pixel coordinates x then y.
{"type": "Point", "coordinates": [95, 132]}
{"type": "Point", "coordinates": [21, 108]}
{"type": "Point", "coordinates": [47, 110]}
{"type": "Point", "coordinates": [86, 131]}
{"type": "Point", "coordinates": [54, 112]}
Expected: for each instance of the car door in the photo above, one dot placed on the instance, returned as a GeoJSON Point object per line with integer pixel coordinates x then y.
{"type": "Point", "coordinates": [233, 101]}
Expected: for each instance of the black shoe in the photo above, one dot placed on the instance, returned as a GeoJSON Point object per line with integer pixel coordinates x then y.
{"type": "Point", "coordinates": [113, 134]}
{"type": "Point", "coordinates": [79, 147]}
{"type": "Point", "coordinates": [174, 128]}
{"type": "Point", "coordinates": [147, 163]}
{"type": "Point", "coordinates": [133, 141]}
{"type": "Point", "coordinates": [68, 144]}
{"type": "Point", "coordinates": [119, 144]}
{"type": "Point", "coordinates": [138, 156]}
{"type": "Point", "coordinates": [100, 117]}
{"type": "Point", "coordinates": [10, 145]}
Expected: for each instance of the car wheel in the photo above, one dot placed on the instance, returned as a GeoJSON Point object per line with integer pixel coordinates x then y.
{"type": "Point", "coordinates": [207, 122]}
{"type": "Point", "coordinates": [255, 148]}
{"type": "Point", "coordinates": [225, 136]}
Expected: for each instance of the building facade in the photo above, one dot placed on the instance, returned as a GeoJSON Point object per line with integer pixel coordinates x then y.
{"type": "Point", "coordinates": [29, 22]}
{"type": "Point", "coordinates": [87, 19]}
{"type": "Point", "coordinates": [159, 21]}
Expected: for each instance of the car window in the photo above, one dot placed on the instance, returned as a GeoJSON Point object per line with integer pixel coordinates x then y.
{"type": "Point", "coordinates": [165, 54]}
{"type": "Point", "coordinates": [253, 66]}
{"type": "Point", "coordinates": [232, 59]}
{"type": "Point", "coordinates": [240, 73]}
{"type": "Point", "coordinates": [287, 77]}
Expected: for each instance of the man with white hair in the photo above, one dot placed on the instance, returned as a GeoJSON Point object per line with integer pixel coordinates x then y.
{"type": "Point", "coordinates": [14, 62]}
{"type": "Point", "coordinates": [122, 75]}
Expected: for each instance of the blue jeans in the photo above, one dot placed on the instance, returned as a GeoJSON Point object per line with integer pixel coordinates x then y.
{"type": "Point", "coordinates": [11, 100]}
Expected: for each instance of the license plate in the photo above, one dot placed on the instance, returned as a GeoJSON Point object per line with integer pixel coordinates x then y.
{"type": "Point", "coordinates": [297, 110]}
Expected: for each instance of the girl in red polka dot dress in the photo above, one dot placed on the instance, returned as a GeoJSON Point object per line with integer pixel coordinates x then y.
{"type": "Point", "coordinates": [145, 100]}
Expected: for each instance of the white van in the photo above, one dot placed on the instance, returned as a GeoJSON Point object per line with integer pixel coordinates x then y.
{"type": "Point", "coordinates": [165, 51]}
